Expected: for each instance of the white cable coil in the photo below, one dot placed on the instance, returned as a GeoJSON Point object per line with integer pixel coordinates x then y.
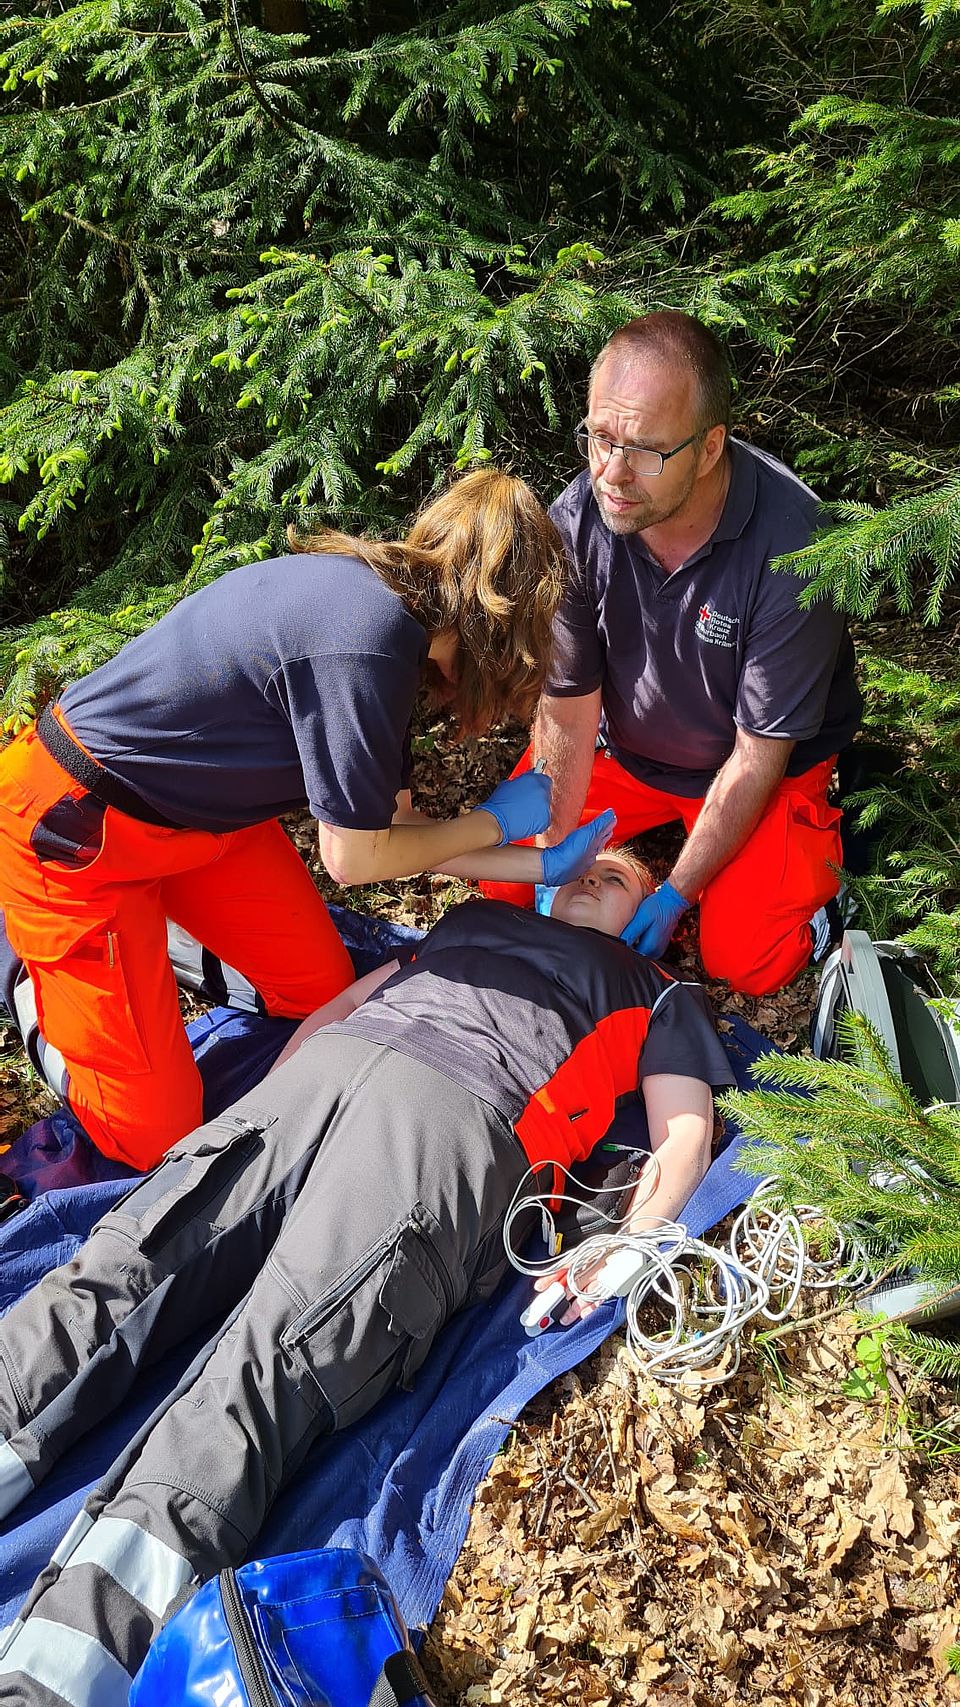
{"type": "Point", "coordinates": [712, 1293]}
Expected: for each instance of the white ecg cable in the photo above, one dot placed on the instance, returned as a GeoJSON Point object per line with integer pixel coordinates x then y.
{"type": "Point", "coordinates": [547, 1203]}
{"type": "Point", "coordinates": [710, 1293]}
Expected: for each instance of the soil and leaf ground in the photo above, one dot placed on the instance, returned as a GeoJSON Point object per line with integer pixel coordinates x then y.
{"type": "Point", "coordinates": [785, 1539]}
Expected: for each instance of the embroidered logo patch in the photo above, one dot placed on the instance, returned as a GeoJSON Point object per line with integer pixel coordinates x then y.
{"type": "Point", "coordinates": [716, 627]}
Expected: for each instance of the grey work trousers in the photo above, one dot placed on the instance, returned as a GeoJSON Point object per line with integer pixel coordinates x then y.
{"type": "Point", "coordinates": [343, 1210]}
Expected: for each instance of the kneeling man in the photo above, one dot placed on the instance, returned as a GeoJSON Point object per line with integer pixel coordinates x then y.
{"type": "Point", "coordinates": [718, 697]}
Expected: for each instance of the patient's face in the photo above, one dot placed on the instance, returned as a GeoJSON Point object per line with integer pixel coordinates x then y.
{"type": "Point", "coordinates": [605, 897]}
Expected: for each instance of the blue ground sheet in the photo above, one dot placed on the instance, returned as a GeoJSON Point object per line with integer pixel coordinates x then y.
{"type": "Point", "coordinates": [400, 1483]}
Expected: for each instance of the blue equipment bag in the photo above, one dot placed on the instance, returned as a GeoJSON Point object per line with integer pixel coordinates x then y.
{"type": "Point", "coordinates": [315, 1629]}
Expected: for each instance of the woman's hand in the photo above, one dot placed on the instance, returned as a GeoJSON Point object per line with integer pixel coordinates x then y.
{"type": "Point", "coordinates": [570, 858]}
{"type": "Point", "coordinates": [520, 805]}
{"type": "Point", "coordinates": [575, 1309]}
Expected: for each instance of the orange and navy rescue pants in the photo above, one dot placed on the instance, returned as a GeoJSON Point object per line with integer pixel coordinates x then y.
{"type": "Point", "coordinates": [86, 891]}
{"type": "Point", "coordinates": [754, 915]}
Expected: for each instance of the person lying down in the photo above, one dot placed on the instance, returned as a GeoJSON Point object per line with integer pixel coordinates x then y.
{"type": "Point", "coordinates": [342, 1210]}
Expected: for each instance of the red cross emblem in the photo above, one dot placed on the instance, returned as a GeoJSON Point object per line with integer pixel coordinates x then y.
{"type": "Point", "coordinates": [704, 613]}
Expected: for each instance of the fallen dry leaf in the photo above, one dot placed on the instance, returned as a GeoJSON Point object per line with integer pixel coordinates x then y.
{"type": "Point", "coordinates": [888, 1505]}
{"type": "Point", "coordinates": [670, 1518]}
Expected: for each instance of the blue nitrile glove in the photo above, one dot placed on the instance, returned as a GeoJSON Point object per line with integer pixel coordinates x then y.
{"type": "Point", "coordinates": [577, 852]}
{"type": "Point", "coordinates": [521, 806]}
{"type": "Point", "coordinates": [655, 921]}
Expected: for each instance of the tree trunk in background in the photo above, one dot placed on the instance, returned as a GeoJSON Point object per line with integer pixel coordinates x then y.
{"type": "Point", "coordinates": [284, 17]}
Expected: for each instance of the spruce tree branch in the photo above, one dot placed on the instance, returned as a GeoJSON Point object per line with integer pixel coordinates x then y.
{"type": "Point", "coordinates": [845, 1307]}
{"type": "Point", "coordinates": [118, 243]}
{"type": "Point", "coordinates": [235, 33]}
{"type": "Point", "coordinates": [75, 108]}
{"type": "Point", "coordinates": [176, 250]}
{"type": "Point", "coordinates": [394, 49]}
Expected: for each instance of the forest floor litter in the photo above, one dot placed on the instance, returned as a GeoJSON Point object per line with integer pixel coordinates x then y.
{"type": "Point", "coordinates": [786, 1539]}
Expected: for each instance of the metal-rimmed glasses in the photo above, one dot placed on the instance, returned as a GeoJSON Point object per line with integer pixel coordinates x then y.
{"type": "Point", "coordinates": [639, 458]}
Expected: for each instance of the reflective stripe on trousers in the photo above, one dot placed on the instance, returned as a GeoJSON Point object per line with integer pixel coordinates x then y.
{"type": "Point", "coordinates": [51, 1659]}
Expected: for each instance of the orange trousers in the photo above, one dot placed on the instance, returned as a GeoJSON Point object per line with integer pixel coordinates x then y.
{"type": "Point", "coordinates": [91, 931]}
{"type": "Point", "coordinates": [754, 915]}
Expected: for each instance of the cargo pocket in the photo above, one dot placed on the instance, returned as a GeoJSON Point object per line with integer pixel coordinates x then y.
{"type": "Point", "coordinates": [20, 785]}
{"type": "Point", "coordinates": [490, 1262]}
{"type": "Point", "coordinates": [376, 1324]}
{"type": "Point", "coordinates": [189, 1185]}
{"type": "Point", "coordinates": [85, 1006]}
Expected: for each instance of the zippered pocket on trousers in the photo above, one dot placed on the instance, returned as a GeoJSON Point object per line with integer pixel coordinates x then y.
{"type": "Point", "coordinates": [188, 1184]}
{"type": "Point", "coordinates": [376, 1323]}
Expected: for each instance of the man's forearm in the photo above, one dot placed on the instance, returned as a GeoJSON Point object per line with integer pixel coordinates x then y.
{"type": "Point", "coordinates": [733, 807]}
{"type": "Point", "coordinates": [564, 737]}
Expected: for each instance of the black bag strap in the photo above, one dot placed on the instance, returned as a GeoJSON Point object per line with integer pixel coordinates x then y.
{"type": "Point", "coordinates": [71, 758]}
{"type": "Point", "coordinates": [401, 1679]}
{"type": "Point", "coordinates": [12, 1199]}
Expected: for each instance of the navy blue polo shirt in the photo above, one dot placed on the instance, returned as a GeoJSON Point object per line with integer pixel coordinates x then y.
{"type": "Point", "coordinates": [686, 659]}
{"type": "Point", "coordinates": [283, 684]}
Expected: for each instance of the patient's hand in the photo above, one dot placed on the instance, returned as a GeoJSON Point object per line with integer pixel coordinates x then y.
{"type": "Point", "coordinates": [577, 1308]}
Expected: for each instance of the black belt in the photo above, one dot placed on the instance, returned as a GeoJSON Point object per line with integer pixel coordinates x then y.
{"type": "Point", "coordinates": [71, 757]}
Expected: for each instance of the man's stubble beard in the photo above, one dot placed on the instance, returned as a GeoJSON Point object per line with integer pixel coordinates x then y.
{"type": "Point", "coordinates": [649, 516]}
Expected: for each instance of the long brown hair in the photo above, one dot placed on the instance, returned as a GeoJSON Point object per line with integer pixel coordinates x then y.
{"type": "Point", "coordinates": [483, 560]}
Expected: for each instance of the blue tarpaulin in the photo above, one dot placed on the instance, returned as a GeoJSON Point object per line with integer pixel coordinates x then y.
{"type": "Point", "coordinates": [398, 1485]}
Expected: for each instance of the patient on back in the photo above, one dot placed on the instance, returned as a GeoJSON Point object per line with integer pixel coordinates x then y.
{"type": "Point", "coordinates": [339, 1214]}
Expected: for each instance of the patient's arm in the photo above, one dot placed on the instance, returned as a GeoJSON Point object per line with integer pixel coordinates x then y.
{"type": "Point", "coordinates": [339, 1008]}
{"type": "Point", "coordinates": [680, 1122]}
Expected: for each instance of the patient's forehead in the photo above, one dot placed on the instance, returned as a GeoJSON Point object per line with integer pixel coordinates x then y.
{"type": "Point", "coordinates": [612, 858]}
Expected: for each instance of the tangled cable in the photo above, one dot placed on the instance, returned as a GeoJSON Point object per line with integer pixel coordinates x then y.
{"type": "Point", "coordinates": [710, 1293]}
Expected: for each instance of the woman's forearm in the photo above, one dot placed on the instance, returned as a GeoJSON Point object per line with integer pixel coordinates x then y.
{"type": "Point", "coordinates": [405, 849]}
{"type": "Point", "coordinates": [669, 1180]}
{"type": "Point", "coordinates": [512, 864]}
{"type": "Point", "coordinates": [515, 863]}
{"type": "Point", "coordinates": [680, 1121]}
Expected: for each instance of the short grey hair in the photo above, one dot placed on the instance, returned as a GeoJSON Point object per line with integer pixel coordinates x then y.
{"type": "Point", "coordinates": [680, 340]}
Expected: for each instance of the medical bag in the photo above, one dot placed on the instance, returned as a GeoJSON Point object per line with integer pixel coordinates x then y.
{"type": "Point", "coordinates": [893, 987]}
{"type": "Point", "coordinates": [320, 1626]}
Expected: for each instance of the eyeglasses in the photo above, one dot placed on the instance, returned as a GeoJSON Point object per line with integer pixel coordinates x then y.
{"type": "Point", "coordinates": [637, 457]}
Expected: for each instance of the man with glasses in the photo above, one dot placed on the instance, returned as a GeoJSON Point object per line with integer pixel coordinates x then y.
{"type": "Point", "coordinates": [688, 681]}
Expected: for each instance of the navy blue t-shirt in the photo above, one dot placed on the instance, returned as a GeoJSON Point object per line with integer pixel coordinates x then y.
{"type": "Point", "coordinates": [283, 684]}
{"type": "Point", "coordinates": [686, 659]}
{"type": "Point", "coordinates": [553, 1024]}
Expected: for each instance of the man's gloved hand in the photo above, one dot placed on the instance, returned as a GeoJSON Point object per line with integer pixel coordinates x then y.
{"type": "Point", "coordinates": [577, 852]}
{"type": "Point", "coordinates": [655, 921]}
{"type": "Point", "coordinates": [521, 806]}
